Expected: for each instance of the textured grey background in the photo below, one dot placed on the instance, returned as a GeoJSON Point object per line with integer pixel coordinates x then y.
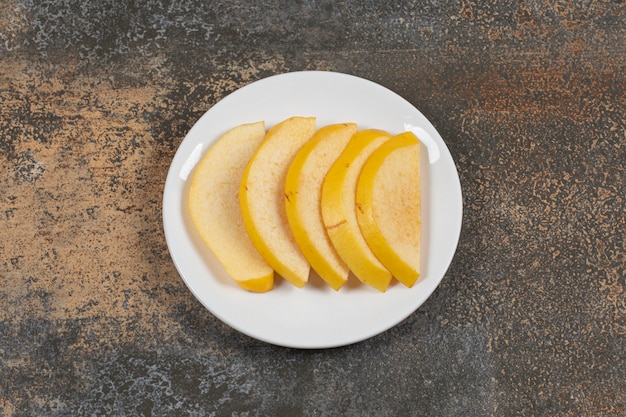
{"type": "Point", "coordinates": [95, 98]}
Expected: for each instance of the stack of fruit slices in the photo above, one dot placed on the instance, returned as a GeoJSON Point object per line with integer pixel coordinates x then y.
{"type": "Point", "coordinates": [335, 199]}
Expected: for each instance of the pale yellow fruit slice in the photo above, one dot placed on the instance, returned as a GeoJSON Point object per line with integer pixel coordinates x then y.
{"type": "Point", "coordinates": [339, 214]}
{"type": "Point", "coordinates": [388, 201]}
{"type": "Point", "coordinates": [214, 207]}
{"type": "Point", "coordinates": [303, 192]}
{"type": "Point", "coordinates": [261, 195]}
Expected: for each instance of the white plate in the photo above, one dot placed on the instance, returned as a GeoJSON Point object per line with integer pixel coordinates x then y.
{"type": "Point", "coordinates": [314, 316]}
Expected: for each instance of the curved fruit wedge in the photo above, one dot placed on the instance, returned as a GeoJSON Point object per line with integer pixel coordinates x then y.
{"type": "Point", "coordinates": [214, 207]}
{"type": "Point", "coordinates": [303, 193]}
{"type": "Point", "coordinates": [388, 203]}
{"type": "Point", "coordinates": [339, 214]}
{"type": "Point", "coordinates": [261, 196]}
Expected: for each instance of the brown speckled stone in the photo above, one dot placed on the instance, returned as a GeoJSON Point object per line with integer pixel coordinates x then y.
{"type": "Point", "coordinates": [95, 98]}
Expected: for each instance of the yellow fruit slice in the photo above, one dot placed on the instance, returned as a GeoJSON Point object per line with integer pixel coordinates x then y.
{"type": "Point", "coordinates": [388, 201]}
{"type": "Point", "coordinates": [339, 214]}
{"type": "Point", "coordinates": [214, 207]}
{"type": "Point", "coordinates": [261, 196]}
{"type": "Point", "coordinates": [303, 192]}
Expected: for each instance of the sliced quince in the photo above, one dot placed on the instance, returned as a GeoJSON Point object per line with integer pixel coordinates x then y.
{"type": "Point", "coordinates": [303, 192]}
{"type": "Point", "coordinates": [388, 201]}
{"type": "Point", "coordinates": [214, 207]}
{"type": "Point", "coordinates": [261, 196]}
{"type": "Point", "coordinates": [339, 214]}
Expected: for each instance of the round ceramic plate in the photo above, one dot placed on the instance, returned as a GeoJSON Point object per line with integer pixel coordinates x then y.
{"type": "Point", "coordinates": [314, 316]}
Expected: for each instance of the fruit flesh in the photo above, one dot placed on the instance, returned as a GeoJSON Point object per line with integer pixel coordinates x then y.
{"type": "Point", "coordinates": [214, 207]}
{"type": "Point", "coordinates": [303, 189]}
{"type": "Point", "coordinates": [261, 195]}
{"type": "Point", "coordinates": [389, 200]}
{"type": "Point", "coordinates": [339, 214]}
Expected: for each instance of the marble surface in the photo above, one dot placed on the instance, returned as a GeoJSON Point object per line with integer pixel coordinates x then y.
{"type": "Point", "coordinates": [95, 97]}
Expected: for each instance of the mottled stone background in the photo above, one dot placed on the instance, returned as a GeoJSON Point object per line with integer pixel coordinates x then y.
{"type": "Point", "coordinates": [95, 98]}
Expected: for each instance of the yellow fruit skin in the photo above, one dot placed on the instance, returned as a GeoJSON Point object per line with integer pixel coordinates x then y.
{"type": "Point", "coordinates": [303, 192]}
{"type": "Point", "coordinates": [338, 210]}
{"type": "Point", "coordinates": [283, 264]}
{"type": "Point", "coordinates": [214, 207]}
{"type": "Point", "coordinates": [370, 227]}
{"type": "Point", "coordinates": [259, 285]}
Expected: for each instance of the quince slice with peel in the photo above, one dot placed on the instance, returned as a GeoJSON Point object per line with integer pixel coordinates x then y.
{"type": "Point", "coordinates": [303, 192]}
{"type": "Point", "coordinates": [388, 202]}
{"type": "Point", "coordinates": [262, 194]}
{"type": "Point", "coordinates": [214, 207]}
{"type": "Point", "coordinates": [339, 214]}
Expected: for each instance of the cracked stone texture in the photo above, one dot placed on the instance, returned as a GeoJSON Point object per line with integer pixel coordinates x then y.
{"type": "Point", "coordinates": [95, 97]}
